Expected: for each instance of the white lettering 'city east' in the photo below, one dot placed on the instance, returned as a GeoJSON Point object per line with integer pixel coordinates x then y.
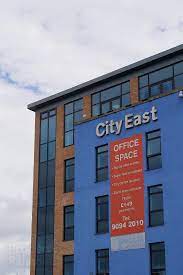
{"type": "Point", "coordinates": [130, 121]}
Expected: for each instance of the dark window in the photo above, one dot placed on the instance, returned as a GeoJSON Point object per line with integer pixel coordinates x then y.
{"type": "Point", "coordinates": [157, 255]}
{"type": "Point", "coordinates": [73, 114]}
{"type": "Point", "coordinates": [102, 163]}
{"type": "Point", "coordinates": [102, 214]}
{"type": "Point", "coordinates": [156, 205]}
{"type": "Point", "coordinates": [69, 175]}
{"type": "Point", "coordinates": [153, 140]}
{"type": "Point", "coordinates": [161, 81]}
{"type": "Point", "coordinates": [69, 223]}
{"type": "Point", "coordinates": [111, 99]}
{"type": "Point", "coordinates": [102, 262]}
{"type": "Point", "coordinates": [68, 265]}
{"type": "Point", "coordinates": [46, 194]}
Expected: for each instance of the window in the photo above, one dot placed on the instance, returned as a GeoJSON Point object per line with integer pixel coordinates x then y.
{"type": "Point", "coordinates": [69, 175]}
{"type": "Point", "coordinates": [73, 114]}
{"type": "Point", "coordinates": [68, 265]}
{"type": "Point", "coordinates": [102, 214]}
{"type": "Point", "coordinates": [156, 205]}
{"type": "Point", "coordinates": [153, 150]}
{"type": "Point", "coordinates": [102, 262]}
{"type": "Point", "coordinates": [46, 194]}
{"type": "Point", "coordinates": [111, 99]}
{"type": "Point", "coordinates": [157, 255]}
{"type": "Point", "coordinates": [69, 223]}
{"type": "Point", "coordinates": [161, 81]}
{"type": "Point", "coordinates": [102, 163]}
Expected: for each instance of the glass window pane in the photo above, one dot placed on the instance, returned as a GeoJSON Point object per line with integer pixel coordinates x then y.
{"type": "Point", "coordinates": [78, 116]}
{"type": "Point", "coordinates": [106, 107]}
{"type": "Point", "coordinates": [41, 220]}
{"type": "Point", "coordinates": [43, 152]}
{"type": "Point", "coordinates": [154, 147]}
{"type": "Point", "coordinates": [102, 174]}
{"type": "Point", "coordinates": [52, 112]}
{"type": "Point", "coordinates": [143, 81]}
{"type": "Point", "coordinates": [69, 186]}
{"type": "Point", "coordinates": [154, 162]}
{"type": "Point", "coordinates": [96, 98]}
{"type": "Point", "coordinates": [111, 93]}
{"type": "Point", "coordinates": [44, 115]}
{"type": "Point", "coordinates": [178, 68]}
{"type": "Point", "coordinates": [153, 134]}
{"type": "Point", "coordinates": [160, 75]}
{"type": "Point", "coordinates": [156, 189]}
{"type": "Point", "coordinates": [70, 172]}
{"type": "Point", "coordinates": [40, 244]}
{"type": "Point", "coordinates": [48, 270]}
{"type": "Point", "coordinates": [49, 259]}
{"type": "Point", "coordinates": [69, 108]}
{"type": "Point", "coordinates": [69, 138]}
{"type": "Point", "coordinates": [102, 160]}
{"type": "Point", "coordinates": [126, 87]}
{"type": "Point", "coordinates": [157, 218]}
{"type": "Point", "coordinates": [68, 265]}
{"type": "Point", "coordinates": [44, 131]}
{"type": "Point", "coordinates": [178, 81]}
{"type": "Point", "coordinates": [156, 201]}
{"type": "Point", "coordinates": [116, 104]}
{"type": "Point", "coordinates": [155, 90]}
{"type": "Point", "coordinates": [51, 173]}
{"type": "Point", "coordinates": [50, 196]}
{"type": "Point", "coordinates": [40, 271]}
{"type": "Point", "coordinates": [126, 100]}
{"type": "Point", "coordinates": [42, 174]}
{"type": "Point", "coordinates": [42, 198]}
{"type": "Point", "coordinates": [51, 150]}
{"type": "Point", "coordinates": [50, 220]}
{"type": "Point", "coordinates": [144, 93]}
{"type": "Point", "coordinates": [69, 122]}
{"type": "Point", "coordinates": [49, 243]}
{"type": "Point", "coordinates": [102, 149]}
{"type": "Point", "coordinates": [78, 105]}
{"type": "Point", "coordinates": [52, 128]}
{"type": "Point", "coordinates": [40, 260]}
{"type": "Point", "coordinates": [96, 110]}
{"type": "Point", "coordinates": [158, 260]}
{"type": "Point", "coordinates": [167, 86]}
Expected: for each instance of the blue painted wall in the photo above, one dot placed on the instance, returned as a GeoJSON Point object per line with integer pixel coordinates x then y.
{"type": "Point", "coordinates": [132, 262]}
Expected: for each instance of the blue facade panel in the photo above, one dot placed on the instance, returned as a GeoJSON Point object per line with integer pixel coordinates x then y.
{"type": "Point", "coordinates": [132, 262]}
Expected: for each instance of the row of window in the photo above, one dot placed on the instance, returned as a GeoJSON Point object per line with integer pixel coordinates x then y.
{"type": "Point", "coordinates": [156, 213]}
{"type": "Point", "coordinates": [46, 194]}
{"type": "Point", "coordinates": [157, 261]}
{"type": "Point", "coordinates": [152, 84]}
{"type": "Point", "coordinates": [153, 154]}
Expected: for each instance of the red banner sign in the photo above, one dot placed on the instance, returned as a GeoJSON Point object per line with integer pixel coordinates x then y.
{"type": "Point", "coordinates": [127, 186]}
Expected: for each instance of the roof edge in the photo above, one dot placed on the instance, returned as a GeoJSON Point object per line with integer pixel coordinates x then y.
{"type": "Point", "coordinates": [124, 70]}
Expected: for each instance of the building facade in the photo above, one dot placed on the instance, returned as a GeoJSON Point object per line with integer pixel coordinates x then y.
{"type": "Point", "coordinates": [108, 173]}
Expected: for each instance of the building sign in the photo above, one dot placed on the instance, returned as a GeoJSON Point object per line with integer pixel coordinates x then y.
{"type": "Point", "coordinates": [130, 121]}
{"type": "Point", "coordinates": [127, 194]}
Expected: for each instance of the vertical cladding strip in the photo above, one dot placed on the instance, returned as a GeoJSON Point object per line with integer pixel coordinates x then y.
{"type": "Point", "coordinates": [134, 90]}
{"type": "Point", "coordinates": [35, 194]}
{"type": "Point", "coordinates": [87, 107]}
{"type": "Point", "coordinates": [62, 199]}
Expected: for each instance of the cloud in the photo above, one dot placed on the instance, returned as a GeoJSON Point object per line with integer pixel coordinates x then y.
{"type": "Point", "coordinates": [48, 46]}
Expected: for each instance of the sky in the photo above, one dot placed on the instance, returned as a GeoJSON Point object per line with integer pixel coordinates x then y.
{"type": "Point", "coordinates": [46, 47]}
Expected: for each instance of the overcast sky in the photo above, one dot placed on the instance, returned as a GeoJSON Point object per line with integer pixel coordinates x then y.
{"type": "Point", "coordinates": [48, 46]}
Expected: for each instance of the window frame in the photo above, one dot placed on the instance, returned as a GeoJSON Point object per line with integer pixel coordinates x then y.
{"type": "Point", "coordinates": [100, 257]}
{"type": "Point", "coordinates": [73, 113]}
{"type": "Point", "coordinates": [64, 262]}
{"type": "Point", "coordinates": [149, 206]}
{"type": "Point", "coordinates": [97, 204]}
{"type": "Point", "coordinates": [159, 83]}
{"type": "Point", "coordinates": [153, 155]}
{"type": "Point", "coordinates": [151, 253]}
{"type": "Point", "coordinates": [65, 180]}
{"type": "Point", "coordinates": [103, 168]}
{"type": "Point", "coordinates": [64, 223]}
{"type": "Point", "coordinates": [100, 103]}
